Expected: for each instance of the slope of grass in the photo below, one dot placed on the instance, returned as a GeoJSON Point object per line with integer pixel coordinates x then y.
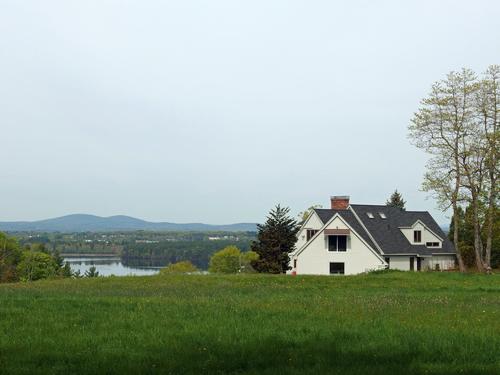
{"type": "Point", "coordinates": [407, 323]}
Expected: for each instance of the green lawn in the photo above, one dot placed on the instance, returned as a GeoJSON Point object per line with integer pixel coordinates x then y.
{"type": "Point", "coordinates": [403, 323]}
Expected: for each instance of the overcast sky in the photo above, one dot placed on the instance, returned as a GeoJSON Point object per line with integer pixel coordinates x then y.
{"type": "Point", "coordinates": [214, 111]}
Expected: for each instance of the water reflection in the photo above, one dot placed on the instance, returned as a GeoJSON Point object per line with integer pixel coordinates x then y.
{"type": "Point", "coordinates": [107, 266]}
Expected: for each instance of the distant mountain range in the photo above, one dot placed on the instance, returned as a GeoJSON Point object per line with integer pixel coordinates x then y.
{"type": "Point", "coordinates": [91, 223]}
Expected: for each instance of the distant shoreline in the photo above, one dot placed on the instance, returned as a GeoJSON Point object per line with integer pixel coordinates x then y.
{"type": "Point", "coordinates": [97, 255]}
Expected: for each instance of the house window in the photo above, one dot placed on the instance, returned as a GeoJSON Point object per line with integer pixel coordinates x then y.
{"type": "Point", "coordinates": [382, 215]}
{"type": "Point", "coordinates": [370, 215]}
{"type": "Point", "coordinates": [432, 244]}
{"type": "Point", "coordinates": [337, 243]}
{"type": "Point", "coordinates": [336, 268]}
{"type": "Point", "coordinates": [310, 233]}
{"type": "Point", "coordinates": [388, 261]}
{"type": "Point", "coordinates": [295, 263]}
{"type": "Point", "coordinates": [417, 236]}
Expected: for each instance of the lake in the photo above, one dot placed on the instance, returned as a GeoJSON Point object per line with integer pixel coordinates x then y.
{"type": "Point", "coordinates": [107, 266]}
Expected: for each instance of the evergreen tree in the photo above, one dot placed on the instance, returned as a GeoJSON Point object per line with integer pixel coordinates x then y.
{"type": "Point", "coordinates": [58, 258]}
{"type": "Point", "coordinates": [92, 272]}
{"type": "Point", "coordinates": [276, 238]}
{"type": "Point", "coordinates": [396, 200]}
{"type": "Point", "coordinates": [65, 270]}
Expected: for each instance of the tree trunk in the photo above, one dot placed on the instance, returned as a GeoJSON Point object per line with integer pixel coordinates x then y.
{"type": "Point", "coordinates": [477, 234]}
{"type": "Point", "coordinates": [489, 224]}
{"type": "Point", "coordinates": [456, 223]}
{"type": "Point", "coordinates": [461, 264]}
{"type": "Point", "coordinates": [454, 199]}
{"type": "Point", "coordinates": [492, 137]}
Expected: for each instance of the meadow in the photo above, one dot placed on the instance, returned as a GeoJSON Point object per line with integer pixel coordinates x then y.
{"type": "Point", "coordinates": [396, 322]}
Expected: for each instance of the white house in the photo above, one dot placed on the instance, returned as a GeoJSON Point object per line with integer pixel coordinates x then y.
{"type": "Point", "coordinates": [351, 238]}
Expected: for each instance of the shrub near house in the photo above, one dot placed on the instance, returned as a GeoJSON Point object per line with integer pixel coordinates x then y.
{"type": "Point", "coordinates": [232, 260]}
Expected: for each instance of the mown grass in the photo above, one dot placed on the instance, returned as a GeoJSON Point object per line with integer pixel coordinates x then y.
{"type": "Point", "coordinates": [402, 323]}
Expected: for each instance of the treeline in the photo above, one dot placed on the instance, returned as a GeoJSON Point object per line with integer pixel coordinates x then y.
{"type": "Point", "coordinates": [458, 125]}
{"type": "Point", "coordinates": [30, 262]}
{"type": "Point", "coordinates": [198, 252]}
{"type": "Point", "coordinates": [114, 242]}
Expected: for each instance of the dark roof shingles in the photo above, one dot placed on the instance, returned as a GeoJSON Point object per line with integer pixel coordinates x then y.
{"type": "Point", "coordinates": [388, 235]}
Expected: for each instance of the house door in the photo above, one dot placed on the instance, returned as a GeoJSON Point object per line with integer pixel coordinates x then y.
{"type": "Point", "coordinates": [419, 264]}
{"type": "Point", "coordinates": [412, 264]}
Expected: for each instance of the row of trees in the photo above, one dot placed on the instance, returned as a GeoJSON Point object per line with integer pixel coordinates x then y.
{"type": "Point", "coordinates": [458, 126]}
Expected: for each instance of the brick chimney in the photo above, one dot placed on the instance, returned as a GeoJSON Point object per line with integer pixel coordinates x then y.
{"type": "Point", "coordinates": [339, 202]}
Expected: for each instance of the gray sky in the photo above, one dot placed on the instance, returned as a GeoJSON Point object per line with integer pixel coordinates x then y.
{"type": "Point", "coordinates": [214, 111]}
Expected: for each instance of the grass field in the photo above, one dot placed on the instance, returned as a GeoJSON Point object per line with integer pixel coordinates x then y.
{"type": "Point", "coordinates": [402, 323]}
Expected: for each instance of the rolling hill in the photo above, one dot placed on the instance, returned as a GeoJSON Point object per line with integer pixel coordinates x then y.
{"type": "Point", "coordinates": [92, 223]}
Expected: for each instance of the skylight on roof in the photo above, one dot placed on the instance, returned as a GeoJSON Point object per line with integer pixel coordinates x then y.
{"type": "Point", "coordinates": [370, 215]}
{"type": "Point", "coordinates": [382, 215]}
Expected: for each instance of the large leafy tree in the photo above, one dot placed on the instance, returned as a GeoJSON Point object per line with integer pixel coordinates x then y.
{"type": "Point", "coordinates": [232, 260]}
{"type": "Point", "coordinates": [276, 238]}
{"type": "Point", "coordinates": [488, 106]}
{"type": "Point", "coordinates": [440, 127]}
{"type": "Point", "coordinates": [35, 265]}
{"type": "Point", "coordinates": [226, 260]}
{"type": "Point", "coordinates": [396, 200]}
{"type": "Point", "coordinates": [10, 256]}
{"type": "Point", "coordinates": [458, 124]}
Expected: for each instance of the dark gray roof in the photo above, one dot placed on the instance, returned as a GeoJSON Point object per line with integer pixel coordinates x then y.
{"type": "Point", "coordinates": [326, 214]}
{"type": "Point", "coordinates": [389, 237]}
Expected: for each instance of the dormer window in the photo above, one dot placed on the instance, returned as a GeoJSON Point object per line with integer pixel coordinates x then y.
{"type": "Point", "coordinates": [432, 244]}
{"type": "Point", "coordinates": [417, 236]}
{"type": "Point", "coordinates": [310, 233]}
